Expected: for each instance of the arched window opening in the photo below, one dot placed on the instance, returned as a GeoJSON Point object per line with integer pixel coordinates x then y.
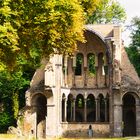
{"type": "Point", "coordinates": [129, 115]}
{"type": "Point", "coordinates": [102, 108]}
{"type": "Point", "coordinates": [91, 111]}
{"type": "Point", "coordinates": [91, 63]}
{"type": "Point", "coordinates": [70, 108]}
{"type": "Point", "coordinates": [39, 103]}
{"type": "Point", "coordinates": [79, 108]}
{"type": "Point", "coordinates": [101, 64]}
{"type": "Point", "coordinates": [79, 64]}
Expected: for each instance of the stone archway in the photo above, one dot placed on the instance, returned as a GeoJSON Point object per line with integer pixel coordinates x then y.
{"type": "Point", "coordinates": [129, 115]}
{"type": "Point", "coordinates": [79, 108]}
{"type": "Point", "coordinates": [39, 103]}
{"type": "Point", "coordinates": [69, 108]}
{"type": "Point", "coordinates": [91, 108]}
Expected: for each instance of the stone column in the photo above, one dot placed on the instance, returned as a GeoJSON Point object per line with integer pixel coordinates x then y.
{"type": "Point", "coordinates": [74, 110]}
{"type": "Point", "coordinates": [65, 110]}
{"type": "Point", "coordinates": [98, 109]}
{"type": "Point", "coordinates": [138, 119]}
{"type": "Point", "coordinates": [73, 69]}
{"type": "Point", "coordinates": [57, 95]}
{"type": "Point", "coordinates": [105, 101]}
{"type": "Point", "coordinates": [73, 77]}
{"type": "Point", "coordinates": [85, 110]}
{"type": "Point", "coordinates": [118, 129]}
{"type": "Point", "coordinates": [66, 69]}
{"type": "Point", "coordinates": [106, 75]}
{"type": "Point", "coordinates": [96, 102]}
{"type": "Point", "coordinates": [85, 76]}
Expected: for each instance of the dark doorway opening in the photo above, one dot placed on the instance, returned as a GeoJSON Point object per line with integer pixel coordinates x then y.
{"type": "Point", "coordinates": [39, 103]}
{"type": "Point", "coordinates": [129, 115]}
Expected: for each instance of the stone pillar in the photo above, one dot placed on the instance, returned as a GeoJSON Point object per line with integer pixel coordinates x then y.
{"type": "Point", "coordinates": [65, 110]}
{"type": "Point", "coordinates": [118, 128]}
{"type": "Point", "coordinates": [57, 96]}
{"type": "Point", "coordinates": [74, 110]}
{"type": "Point", "coordinates": [73, 77]}
{"type": "Point", "coordinates": [98, 110]}
{"type": "Point", "coordinates": [105, 101]}
{"type": "Point", "coordinates": [85, 60]}
{"type": "Point", "coordinates": [85, 110]}
{"type": "Point", "coordinates": [96, 102]}
{"type": "Point", "coordinates": [85, 76]}
{"type": "Point", "coordinates": [105, 69]}
{"type": "Point", "coordinates": [66, 69]}
{"type": "Point", "coordinates": [138, 119]}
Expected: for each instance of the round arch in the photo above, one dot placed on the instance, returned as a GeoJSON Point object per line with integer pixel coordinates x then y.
{"type": "Point", "coordinates": [91, 108]}
{"type": "Point", "coordinates": [79, 108]}
{"type": "Point", "coordinates": [133, 93]}
{"type": "Point", "coordinates": [101, 111]}
{"type": "Point", "coordinates": [39, 102]}
{"type": "Point", "coordinates": [70, 108]}
{"type": "Point", "coordinates": [129, 101]}
{"type": "Point", "coordinates": [102, 39]}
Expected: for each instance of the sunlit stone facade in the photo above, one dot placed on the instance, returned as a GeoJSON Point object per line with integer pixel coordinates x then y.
{"type": "Point", "coordinates": [97, 86]}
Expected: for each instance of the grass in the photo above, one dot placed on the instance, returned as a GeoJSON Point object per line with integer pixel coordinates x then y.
{"type": "Point", "coordinates": [14, 137]}
{"type": "Point", "coordinates": [7, 136]}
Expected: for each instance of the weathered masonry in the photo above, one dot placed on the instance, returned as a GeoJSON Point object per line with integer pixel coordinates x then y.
{"type": "Point", "coordinates": [96, 86]}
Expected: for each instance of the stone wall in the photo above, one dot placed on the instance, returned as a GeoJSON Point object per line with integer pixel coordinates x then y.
{"type": "Point", "coordinates": [128, 68]}
{"type": "Point", "coordinates": [81, 129]}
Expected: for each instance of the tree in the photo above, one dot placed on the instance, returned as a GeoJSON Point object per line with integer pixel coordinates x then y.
{"type": "Point", "coordinates": [38, 28]}
{"type": "Point", "coordinates": [45, 27]}
{"type": "Point", "coordinates": [8, 34]}
{"type": "Point", "coordinates": [134, 49]}
{"type": "Point", "coordinates": [11, 86]}
{"type": "Point", "coordinates": [108, 11]}
{"type": "Point", "coordinates": [30, 30]}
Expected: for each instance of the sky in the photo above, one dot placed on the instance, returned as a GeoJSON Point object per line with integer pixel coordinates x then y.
{"type": "Point", "coordinates": [132, 8]}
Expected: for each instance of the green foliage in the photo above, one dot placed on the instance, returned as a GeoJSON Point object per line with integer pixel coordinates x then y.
{"type": "Point", "coordinates": [89, 6]}
{"type": "Point", "coordinates": [8, 34]}
{"type": "Point", "coordinates": [5, 121]}
{"type": "Point", "coordinates": [49, 26]}
{"type": "Point", "coordinates": [108, 11]}
{"type": "Point", "coordinates": [91, 64]}
{"type": "Point", "coordinates": [10, 84]}
{"type": "Point", "coordinates": [36, 28]}
{"type": "Point", "coordinates": [134, 49]}
{"type": "Point", "coordinates": [15, 104]}
{"type": "Point", "coordinates": [79, 61]}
